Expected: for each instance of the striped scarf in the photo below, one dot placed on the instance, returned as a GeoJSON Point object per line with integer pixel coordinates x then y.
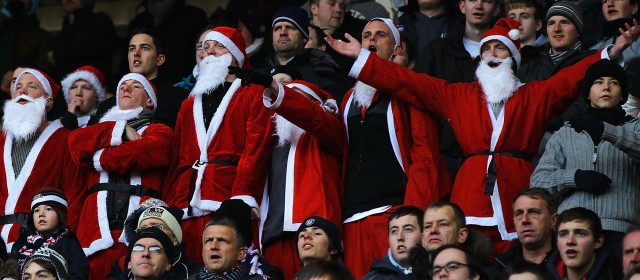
{"type": "Point", "coordinates": [555, 58]}
{"type": "Point", "coordinates": [231, 274]}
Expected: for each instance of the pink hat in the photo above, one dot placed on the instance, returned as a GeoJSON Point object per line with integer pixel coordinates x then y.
{"type": "Point", "coordinates": [505, 31]}
{"type": "Point", "coordinates": [49, 85]}
{"type": "Point", "coordinates": [91, 75]}
{"type": "Point", "coordinates": [231, 39]}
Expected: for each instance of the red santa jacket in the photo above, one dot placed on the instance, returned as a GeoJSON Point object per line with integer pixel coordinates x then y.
{"type": "Point", "coordinates": [414, 137]}
{"type": "Point", "coordinates": [519, 127]}
{"type": "Point", "coordinates": [44, 166]}
{"type": "Point", "coordinates": [314, 179]}
{"type": "Point", "coordinates": [100, 149]}
{"type": "Point", "coordinates": [232, 145]}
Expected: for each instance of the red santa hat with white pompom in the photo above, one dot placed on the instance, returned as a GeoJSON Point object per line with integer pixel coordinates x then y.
{"type": "Point", "coordinates": [505, 31]}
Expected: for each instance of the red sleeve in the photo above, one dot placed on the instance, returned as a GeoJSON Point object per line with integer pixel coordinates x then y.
{"type": "Point", "coordinates": [85, 142]}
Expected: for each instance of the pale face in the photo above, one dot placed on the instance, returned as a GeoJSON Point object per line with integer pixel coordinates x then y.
{"type": "Point", "coordinates": [14, 78]}
{"type": "Point", "coordinates": [496, 49]}
{"type": "Point", "coordinates": [529, 25]}
{"type": "Point", "coordinates": [148, 259]}
{"type": "Point", "coordinates": [404, 234]}
{"type": "Point", "coordinates": [221, 249]}
{"type": "Point", "coordinates": [605, 93]}
{"type": "Point", "coordinates": [617, 9]}
{"type": "Point", "coordinates": [143, 56]}
{"type": "Point", "coordinates": [45, 218]}
{"type": "Point", "coordinates": [631, 251]}
{"type": "Point", "coordinates": [35, 271]}
{"type": "Point", "coordinates": [377, 38]}
{"type": "Point", "coordinates": [577, 245]}
{"type": "Point", "coordinates": [523, 276]}
{"type": "Point", "coordinates": [452, 258]}
{"type": "Point", "coordinates": [85, 93]}
{"type": "Point", "coordinates": [287, 38]}
{"type": "Point", "coordinates": [150, 222]}
{"type": "Point", "coordinates": [133, 95]}
{"type": "Point", "coordinates": [479, 12]}
{"type": "Point", "coordinates": [313, 244]}
{"type": "Point", "coordinates": [328, 13]}
{"type": "Point", "coordinates": [440, 228]}
{"type": "Point", "coordinates": [217, 49]}
{"type": "Point", "coordinates": [29, 85]}
{"type": "Point", "coordinates": [402, 58]}
{"type": "Point", "coordinates": [533, 221]}
{"type": "Point", "coordinates": [562, 33]}
{"type": "Point", "coordinates": [282, 78]}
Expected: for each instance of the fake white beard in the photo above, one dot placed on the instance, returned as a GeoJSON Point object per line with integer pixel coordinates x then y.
{"type": "Point", "coordinates": [21, 121]}
{"type": "Point", "coordinates": [115, 114]}
{"type": "Point", "coordinates": [212, 72]}
{"type": "Point", "coordinates": [286, 131]}
{"type": "Point", "coordinates": [363, 94]}
{"type": "Point", "coordinates": [497, 83]}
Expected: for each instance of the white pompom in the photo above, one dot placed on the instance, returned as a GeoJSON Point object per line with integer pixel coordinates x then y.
{"type": "Point", "coordinates": [514, 34]}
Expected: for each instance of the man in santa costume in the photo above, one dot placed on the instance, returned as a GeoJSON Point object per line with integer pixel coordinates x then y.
{"type": "Point", "coordinates": [393, 157]}
{"type": "Point", "coordinates": [34, 152]}
{"type": "Point", "coordinates": [498, 121]}
{"type": "Point", "coordinates": [83, 89]}
{"type": "Point", "coordinates": [219, 134]}
{"type": "Point", "coordinates": [122, 162]}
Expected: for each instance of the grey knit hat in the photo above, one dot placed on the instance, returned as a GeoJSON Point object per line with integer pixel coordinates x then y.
{"type": "Point", "coordinates": [569, 10]}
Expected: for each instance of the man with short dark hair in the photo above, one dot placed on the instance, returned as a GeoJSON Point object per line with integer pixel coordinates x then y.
{"type": "Point", "coordinates": [405, 228]}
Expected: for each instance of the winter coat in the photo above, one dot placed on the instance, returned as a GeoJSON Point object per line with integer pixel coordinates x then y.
{"type": "Point", "coordinates": [383, 269]}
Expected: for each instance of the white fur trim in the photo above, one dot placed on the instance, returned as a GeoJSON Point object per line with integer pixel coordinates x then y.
{"type": "Point", "coordinates": [68, 81]}
{"type": "Point", "coordinates": [515, 53]}
{"type": "Point", "coordinates": [359, 63]}
{"type": "Point", "coordinates": [345, 116]}
{"type": "Point", "coordinates": [392, 26]}
{"type": "Point", "coordinates": [105, 241]}
{"type": "Point", "coordinates": [249, 200]}
{"type": "Point", "coordinates": [145, 84]}
{"type": "Point", "coordinates": [15, 184]}
{"type": "Point", "coordinates": [305, 89]}
{"type": "Point", "coordinates": [117, 132]}
{"type": "Point", "coordinates": [288, 224]}
{"type": "Point", "coordinates": [227, 43]}
{"type": "Point", "coordinates": [364, 214]}
{"type": "Point", "coordinates": [6, 229]}
{"type": "Point", "coordinates": [54, 198]}
{"type": "Point", "coordinates": [264, 211]}
{"type": "Point", "coordinates": [514, 34]}
{"type": "Point", "coordinates": [96, 160]}
{"type": "Point", "coordinates": [41, 78]}
{"type": "Point", "coordinates": [266, 100]}
{"type": "Point", "coordinates": [391, 125]}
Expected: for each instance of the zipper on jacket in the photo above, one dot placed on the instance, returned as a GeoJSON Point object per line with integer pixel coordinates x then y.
{"type": "Point", "coordinates": [595, 156]}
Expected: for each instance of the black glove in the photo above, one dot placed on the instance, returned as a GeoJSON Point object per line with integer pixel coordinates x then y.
{"type": "Point", "coordinates": [250, 76]}
{"type": "Point", "coordinates": [588, 123]}
{"type": "Point", "coordinates": [592, 181]}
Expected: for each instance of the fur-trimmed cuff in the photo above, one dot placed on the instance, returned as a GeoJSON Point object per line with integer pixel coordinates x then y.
{"type": "Point", "coordinates": [268, 101]}
{"type": "Point", "coordinates": [117, 133]}
{"type": "Point", "coordinates": [96, 160]}
{"type": "Point", "coordinates": [359, 64]}
{"type": "Point", "coordinates": [249, 200]}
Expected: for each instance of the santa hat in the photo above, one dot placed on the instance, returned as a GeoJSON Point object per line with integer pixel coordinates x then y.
{"type": "Point", "coordinates": [51, 197]}
{"type": "Point", "coordinates": [231, 39]}
{"type": "Point", "coordinates": [49, 85]}
{"type": "Point", "coordinates": [311, 89]}
{"type": "Point", "coordinates": [89, 74]}
{"type": "Point", "coordinates": [392, 26]}
{"type": "Point", "coordinates": [505, 31]}
{"type": "Point", "coordinates": [146, 84]}
{"type": "Point", "coordinates": [295, 16]}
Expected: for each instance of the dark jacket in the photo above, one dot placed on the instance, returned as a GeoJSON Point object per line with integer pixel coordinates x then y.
{"type": "Point", "coordinates": [600, 270]}
{"type": "Point", "coordinates": [514, 256]}
{"type": "Point", "coordinates": [383, 269]}
{"type": "Point", "coordinates": [419, 258]}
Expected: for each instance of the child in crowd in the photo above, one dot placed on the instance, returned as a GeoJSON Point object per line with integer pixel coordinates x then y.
{"type": "Point", "coordinates": [47, 227]}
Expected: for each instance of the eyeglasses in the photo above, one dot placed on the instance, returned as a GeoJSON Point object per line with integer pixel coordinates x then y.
{"type": "Point", "coordinates": [158, 226]}
{"type": "Point", "coordinates": [153, 249]}
{"type": "Point", "coordinates": [449, 267]}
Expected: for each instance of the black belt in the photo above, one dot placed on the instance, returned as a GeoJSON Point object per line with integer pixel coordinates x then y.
{"type": "Point", "coordinates": [138, 190]}
{"type": "Point", "coordinates": [17, 218]}
{"type": "Point", "coordinates": [492, 171]}
{"type": "Point", "coordinates": [192, 181]}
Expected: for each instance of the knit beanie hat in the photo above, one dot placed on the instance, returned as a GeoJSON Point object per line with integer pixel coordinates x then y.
{"type": "Point", "coordinates": [329, 228]}
{"type": "Point", "coordinates": [569, 10]}
{"type": "Point", "coordinates": [239, 212]}
{"type": "Point", "coordinates": [170, 216]}
{"type": "Point", "coordinates": [146, 84]}
{"type": "Point", "coordinates": [231, 39]}
{"type": "Point", "coordinates": [605, 68]}
{"type": "Point", "coordinates": [157, 234]}
{"type": "Point", "coordinates": [51, 256]}
{"type": "Point", "coordinates": [51, 197]}
{"type": "Point", "coordinates": [91, 75]}
{"type": "Point", "coordinates": [295, 16]}
{"type": "Point", "coordinates": [506, 31]}
{"type": "Point", "coordinates": [48, 84]}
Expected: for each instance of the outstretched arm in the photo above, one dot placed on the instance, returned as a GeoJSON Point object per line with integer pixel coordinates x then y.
{"type": "Point", "coordinates": [349, 49]}
{"type": "Point", "coordinates": [625, 40]}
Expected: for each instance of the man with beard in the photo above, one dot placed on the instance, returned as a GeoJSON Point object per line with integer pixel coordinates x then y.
{"type": "Point", "coordinates": [34, 152]}
{"type": "Point", "coordinates": [219, 134]}
{"type": "Point", "coordinates": [393, 157]}
{"type": "Point", "coordinates": [498, 121]}
{"type": "Point", "coordinates": [122, 161]}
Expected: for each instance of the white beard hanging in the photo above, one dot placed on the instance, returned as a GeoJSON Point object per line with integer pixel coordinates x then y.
{"type": "Point", "coordinates": [498, 83]}
{"type": "Point", "coordinates": [286, 131]}
{"type": "Point", "coordinates": [363, 94]}
{"type": "Point", "coordinates": [21, 121]}
{"type": "Point", "coordinates": [212, 72]}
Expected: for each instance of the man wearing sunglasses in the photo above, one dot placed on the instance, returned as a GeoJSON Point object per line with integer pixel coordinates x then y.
{"type": "Point", "coordinates": [151, 254]}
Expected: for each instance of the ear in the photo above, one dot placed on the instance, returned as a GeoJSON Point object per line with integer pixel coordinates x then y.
{"type": "Point", "coordinates": [161, 59]}
{"type": "Point", "coordinates": [496, 10]}
{"type": "Point", "coordinates": [411, 65]}
{"type": "Point", "coordinates": [150, 104]}
{"type": "Point", "coordinates": [463, 234]}
{"type": "Point", "coordinates": [397, 50]}
{"type": "Point", "coordinates": [242, 253]}
{"type": "Point", "coordinates": [313, 8]}
{"type": "Point", "coordinates": [554, 220]}
{"type": "Point", "coordinates": [166, 269]}
{"type": "Point", "coordinates": [599, 241]}
{"type": "Point", "coordinates": [634, 9]}
{"type": "Point", "coordinates": [129, 265]}
{"type": "Point", "coordinates": [538, 25]}
{"type": "Point", "coordinates": [461, 6]}
{"type": "Point", "coordinates": [49, 102]}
